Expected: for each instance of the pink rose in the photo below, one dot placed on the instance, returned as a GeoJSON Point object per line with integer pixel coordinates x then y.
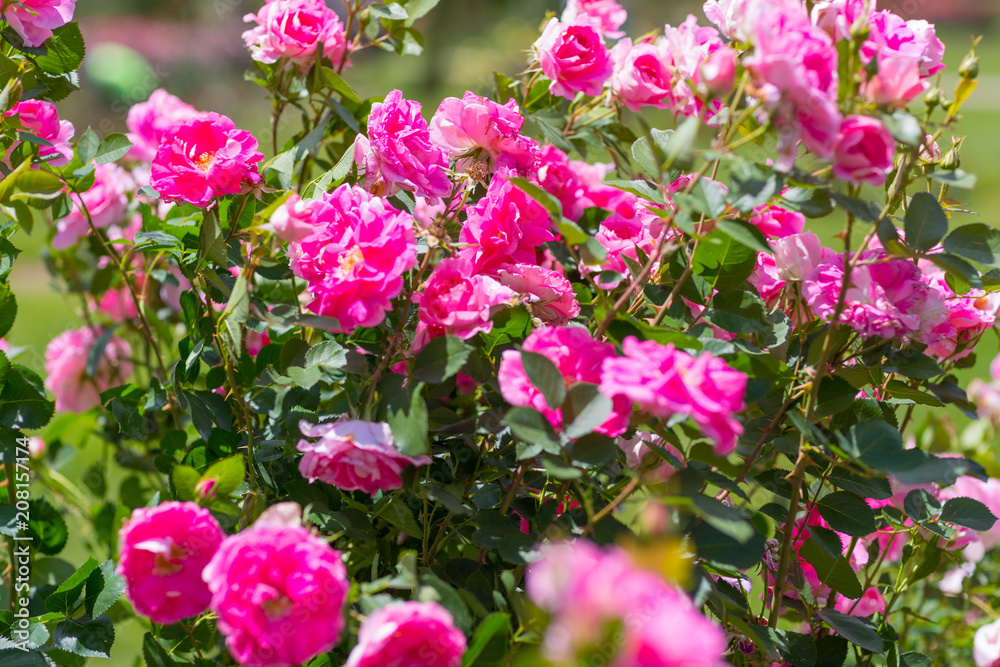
{"type": "Point", "coordinates": [969, 315]}
{"type": "Point", "coordinates": [863, 151]}
{"type": "Point", "coordinates": [202, 158]}
{"type": "Point", "coordinates": [608, 15]}
{"type": "Point", "coordinates": [398, 153]}
{"type": "Point", "coordinates": [573, 57]}
{"type": "Point", "coordinates": [688, 47]}
{"type": "Point", "coordinates": [295, 219]}
{"type": "Point", "coordinates": [105, 202]}
{"type": "Point", "coordinates": [354, 261]}
{"type": "Point", "coordinates": [461, 126]}
{"type": "Point", "coordinates": [796, 255]}
{"type": "Point", "coordinates": [896, 82]}
{"type": "Point", "coordinates": [871, 602]}
{"type": "Point", "coordinates": [148, 121]}
{"type": "Point", "coordinates": [624, 237]}
{"type": "Point", "coordinates": [718, 73]}
{"type": "Point", "coordinates": [66, 366]}
{"type": "Point", "coordinates": [457, 300]}
{"type": "Point", "coordinates": [986, 645]}
{"type": "Point", "coordinates": [506, 226]}
{"type": "Point", "coordinates": [278, 592]}
{"type": "Point", "coordinates": [665, 381]}
{"type": "Point", "coordinates": [547, 294]}
{"type": "Point", "coordinates": [408, 634]}
{"type": "Point", "coordinates": [41, 118]}
{"type": "Point", "coordinates": [354, 455]}
{"type": "Point", "coordinates": [641, 75]}
{"type": "Point", "coordinates": [164, 550]}
{"type": "Point", "coordinates": [776, 221]}
{"type": "Point", "coordinates": [577, 185]}
{"type": "Point", "coordinates": [737, 19]}
{"type": "Point", "coordinates": [297, 30]}
{"type": "Point", "coordinates": [34, 20]}
{"type": "Point", "coordinates": [836, 17]}
{"type": "Point", "coordinates": [577, 356]}
{"type": "Point", "coordinates": [118, 305]}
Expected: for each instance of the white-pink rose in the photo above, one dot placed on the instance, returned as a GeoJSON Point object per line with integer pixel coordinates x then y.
{"type": "Point", "coordinates": [795, 256]}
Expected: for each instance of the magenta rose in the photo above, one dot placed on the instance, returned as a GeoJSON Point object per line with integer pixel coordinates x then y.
{"type": "Point", "coordinates": [398, 153]}
{"type": "Point", "coordinates": [408, 634]}
{"type": "Point", "coordinates": [354, 260]}
{"type": "Point", "coordinates": [164, 550]}
{"type": "Point", "coordinates": [776, 221]}
{"type": "Point", "coordinates": [297, 30]}
{"type": "Point", "coordinates": [34, 20]}
{"type": "Point", "coordinates": [278, 592]}
{"type": "Point", "coordinates": [354, 455]}
{"type": "Point", "coordinates": [664, 381]}
{"type": "Point", "coordinates": [606, 14]}
{"type": "Point", "coordinates": [547, 294]}
{"type": "Point", "coordinates": [205, 157]}
{"type": "Point", "coordinates": [66, 367]}
{"type": "Point", "coordinates": [578, 357]}
{"type": "Point", "coordinates": [573, 57]}
{"type": "Point", "coordinates": [148, 121]}
{"type": "Point", "coordinates": [863, 151]}
{"type": "Point", "coordinates": [41, 118]}
{"type": "Point", "coordinates": [505, 227]}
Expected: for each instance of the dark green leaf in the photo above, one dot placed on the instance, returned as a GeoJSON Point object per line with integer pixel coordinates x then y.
{"type": "Point", "coordinates": [532, 428]}
{"type": "Point", "coordinates": [65, 50]}
{"type": "Point", "coordinates": [968, 512]}
{"type": "Point", "coordinates": [716, 546]}
{"type": "Point", "coordinates": [926, 222]}
{"type": "Point", "coordinates": [847, 513]}
{"type": "Point", "coordinates": [747, 234]}
{"type": "Point", "coordinates": [546, 377]}
{"type": "Point", "coordinates": [8, 309]}
{"type": "Point", "coordinates": [978, 242]}
{"type": "Point", "coordinates": [724, 263]}
{"type": "Point", "coordinates": [921, 506]}
{"type": "Point", "coordinates": [866, 487]}
{"type": "Point", "coordinates": [104, 587]}
{"type": "Point", "coordinates": [91, 638]}
{"type": "Point", "coordinates": [63, 598]}
{"type": "Point", "coordinates": [833, 570]}
{"type": "Point", "coordinates": [811, 202]}
{"type": "Point", "coordinates": [494, 626]}
{"type": "Point", "coordinates": [114, 147]}
{"type": "Point", "coordinates": [407, 417]}
{"type": "Point", "coordinates": [584, 409]}
{"type": "Point", "coordinates": [440, 359]}
{"type": "Point", "coordinates": [852, 629]}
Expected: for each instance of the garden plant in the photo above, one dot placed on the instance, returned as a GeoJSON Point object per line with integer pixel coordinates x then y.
{"type": "Point", "coordinates": [567, 371]}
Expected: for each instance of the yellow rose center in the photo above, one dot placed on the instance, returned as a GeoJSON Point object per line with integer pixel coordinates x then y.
{"type": "Point", "coordinates": [277, 608]}
{"type": "Point", "coordinates": [170, 562]}
{"type": "Point", "coordinates": [204, 161]}
{"type": "Point", "coordinates": [350, 259]}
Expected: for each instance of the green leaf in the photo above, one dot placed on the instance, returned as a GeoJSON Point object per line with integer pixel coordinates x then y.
{"type": "Point", "coordinates": [866, 487]}
{"type": "Point", "coordinates": [752, 185]}
{"type": "Point", "coordinates": [104, 587]}
{"type": "Point", "coordinates": [835, 394]}
{"type": "Point", "coordinates": [8, 309]}
{"type": "Point", "coordinates": [978, 242]}
{"type": "Point", "coordinates": [63, 598]}
{"type": "Point", "coordinates": [91, 638]}
{"type": "Point", "coordinates": [914, 659]}
{"type": "Point", "coordinates": [926, 222]}
{"type": "Point", "coordinates": [66, 50]}
{"type": "Point", "coordinates": [392, 11]}
{"type": "Point", "coordinates": [593, 449]}
{"type": "Point", "coordinates": [47, 527]}
{"type": "Point", "coordinates": [833, 569]}
{"type": "Point", "coordinates": [847, 513]}
{"type": "Point", "coordinates": [921, 506]}
{"type": "Point", "coordinates": [718, 547]}
{"type": "Point", "coordinates": [968, 512]}
{"type": "Point", "coordinates": [495, 628]}
{"type": "Point", "coordinates": [228, 472]}
{"type": "Point", "coordinates": [723, 262]}
{"type": "Point", "coordinates": [333, 80]}
{"type": "Point", "coordinates": [399, 515]}
{"type": "Point", "coordinates": [440, 359]}
{"type": "Point", "coordinates": [875, 443]}
{"type": "Point", "coordinates": [852, 629]}
{"type": "Point", "coordinates": [730, 521]}
{"type": "Point", "coordinates": [86, 146]}
{"type": "Point", "coordinates": [236, 313]}
{"type": "Point", "coordinates": [584, 409]}
{"type": "Point", "coordinates": [407, 417]}
{"type": "Point", "coordinates": [419, 8]}
{"type": "Point", "coordinates": [955, 178]}
{"type": "Point", "coordinates": [546, 377]}
{"type": "Point", "coordinates": [156, 656]}
{"type": "Point", "coordinates": [114, 147]}
{"type": "Point", "coordinates": [745, 233]}
{"type": "Point", "coordinates": [185, 479]}
{"type": "Point", "coordinates": [900, 390]}
{"type": "Point", "coordinates": [532, 428]}
{"type": "Point", "coordinates": [810, 202]}
{"type": "Point", "coordinates": [904, 127]}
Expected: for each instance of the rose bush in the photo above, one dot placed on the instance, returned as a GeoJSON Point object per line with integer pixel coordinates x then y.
{"type": "Point", "coordinates": [523, 382]}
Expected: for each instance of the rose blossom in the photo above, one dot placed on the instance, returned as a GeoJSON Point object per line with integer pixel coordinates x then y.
{"type": "Point", "coordinates": [796, 255]}
{"type": "Point", "coordinates": [577, 185]}
{"type": "Point", "coordinates": [295, 219]}
{"type": "Point", "coordinates": [688, 46]}
{"type": "Point", "coordinates": [606, 14]}
{"type": "Point", "coordinates": [278, 591]}
{"type": "Point", "coordinates": [461, 126]}
{"type": "Point", "coordinates": [776, 221]}
{"type": "Point", "coordinates": [148, 121]}
{"type": "Point", "coordinates": [506, 226]}
{"type": "Point", "coordinates": [354, 455]}
{"type": "Point", "coordinates": [573, 57]}
{"type": "Point", "coordinates": [718, 73]}
{"type": "Point", "coordinates": [623, 237]}
{"type": "Point", "coordinates": [837, 16]}
{"type": "Point", "coordinates": [547, 294]}
{"type": "Point", "coordinates": [665, 381]}
{"type": "Point", "coordinates": [871, 602]}
{"type": "Point", "coordinates": [66, 367]}
{"type": "Point", "coordinates": [863, 151]}
{"type": "Point", "coordinates": [457, 300]}
{"type": "Point", "coordinates": [578, 358]}
{"type": "Point", "coordinates": [354, 261]}
{"type": "Point", "coordinates": [986, 645]}
{"type": "Point", "coordinates": [202, 158]}
{"type": "Point", "coordinates": [297, 30]}
{"type": "Point", "coordinates": [737, 19]}
{"type": "Point", "coordinates": [398, 153]}
{"type": "Point", "coordinates": [408, 634]}
{"type": "Point", "coordinates": [105, 203]}
{"type": "Point", "coordinates": [34, 20]}
{"type": "Point", "coordinates": [164, 550]}
{"type": "Point", "coordinates": [41, 118]}
{"type": "Point", "coordinates": [641, 75]}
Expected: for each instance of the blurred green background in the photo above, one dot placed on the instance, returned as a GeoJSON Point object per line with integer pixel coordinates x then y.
{"type": "Point", "coordinates": [193, 49]}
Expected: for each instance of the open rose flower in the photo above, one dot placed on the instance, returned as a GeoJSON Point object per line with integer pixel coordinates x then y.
{"type": "Point", "coordinates": [354, 455]}
{"type": "Point", "coordinates": [205, 157]}
{"type": "Point", "coordinates": [642, 74]}
{"type": "Point", "coordinates": [408, 634]}
{"type": "Point", "coordinates": [354, 261]}
{"type": "Point", "coordinates": [398, 153]}
{"type": "Point", "coordinates": [573, 57]}
{"type": "Point", "coordinates": [504, 227]}
{"type": "Point", "coordinates": [278, 592]}
{"type": "Point", "coordinates": [164, 550]}
{"type": "Point", "coordinates": [863, 151]}
{"type": "Point", "coordinates": [66, 369]}
{"type": "Point", "coordinates": [547, 294]}
{"type": "Point", "coordinates": [34, 20]}
{"type": "Point", "coordinates": [297, 30]}
{"type": "Point", "coordinates": [148, 121]}
{"type": "Point", "coordinates": [41, 118]}
{"type": "Point", "coordinates": [607, 14]}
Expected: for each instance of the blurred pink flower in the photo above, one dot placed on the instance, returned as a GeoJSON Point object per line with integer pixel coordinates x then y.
{"type": "Point", "coordinates": [408, 634]}
{"type": "Point", "coordinates": [354, 261]}
{"type": "Point", "coordinates": [105, 203]}
{"type": "Point", "coordinates": [796, 255]}
{"type": "Point", "coordinates": [776, 221]}
{"type": "Point", "coordinates": [577, 185]}
{"type": "Point", "coordinates": [41, 118]}
{"type": "Point", "coordinates": [34, 20]}
{"type": "Point", "coordinates": [871, 602]}
{"type": "Point", "coordinates": [204, 157]}
{"type": "Point", "coordinates": [164, 550]}
{"type": "Point", "coordinates": [297, 30]}
{"type": "Point", "coordinates": [148, 121]}
{"type": "Point", "coordinates": [640, 456]}
{"type": "Point", "coordinates": [664, 381]}
{"type": "Point", "coordinates": [608, 15]}
{"type": "Point", "coordinates": [642, 75]}
{"type": "Point", "coordinates": [66, 365]}
{"type": "Point", "coordinates": [295, 219]}
{"type": "Point", "coordinates": [354, 455]}
{"type": "Point", "coordinates": [986, 645]}
{"type": "Point", "coordinates": [573, 57]}
{"type": "Point", "coordinates": [278, 592]}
